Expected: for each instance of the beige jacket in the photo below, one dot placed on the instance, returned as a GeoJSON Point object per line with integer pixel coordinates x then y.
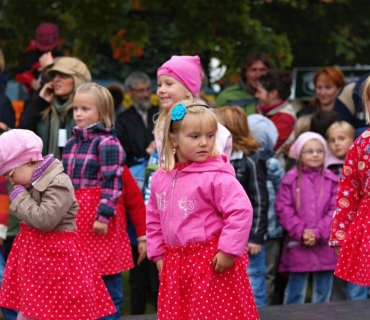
{"type": "Point", "coordinates": [50, 204]}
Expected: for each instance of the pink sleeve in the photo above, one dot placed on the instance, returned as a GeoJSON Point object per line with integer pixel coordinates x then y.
{"type": "Point", "coordinates": [154, 235]}
{"type": "Point", "coordinates": [233, 203]}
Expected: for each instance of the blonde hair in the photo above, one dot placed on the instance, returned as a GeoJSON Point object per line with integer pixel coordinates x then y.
{"type": "Point", "coordinates": [234, 119]}
{"type": "Point", "coordinates": [348, 129]}
{"type": "Point", "coordinates": [103, 100]}
{"type": "Point", "coordinates": [195, 117]}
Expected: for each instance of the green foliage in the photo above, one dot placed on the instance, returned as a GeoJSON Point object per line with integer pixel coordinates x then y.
{"type": "Point", "coordinates": [115, 37]}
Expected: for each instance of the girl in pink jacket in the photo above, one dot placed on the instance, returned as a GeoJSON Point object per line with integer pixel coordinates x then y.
{"type": "Point", "coordinates": [198, 222]}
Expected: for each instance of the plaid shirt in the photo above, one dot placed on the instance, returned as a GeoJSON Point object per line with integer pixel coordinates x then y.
{"type": "Point", "coordinates": [94, 157]}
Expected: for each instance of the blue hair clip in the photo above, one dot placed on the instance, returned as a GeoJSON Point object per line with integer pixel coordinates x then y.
{"type": "Point", "coordinates": [178, 112]}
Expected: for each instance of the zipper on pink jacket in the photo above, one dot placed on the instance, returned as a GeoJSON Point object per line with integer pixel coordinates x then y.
{"type": "Point", "coordinates": [173, 186]}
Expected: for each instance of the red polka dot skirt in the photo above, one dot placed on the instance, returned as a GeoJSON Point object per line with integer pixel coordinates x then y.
{"type": "Point", "coordinates": [111, 252]}
{"type": "Point", "coordinates": [50, 275]}
{"type": "Point", "coordinates": [191, 289]}
{"type": "Point", "coordinates": [354, 259]}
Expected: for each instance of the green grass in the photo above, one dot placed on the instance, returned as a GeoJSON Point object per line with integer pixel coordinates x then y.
{"type": "Point", "coordinates": [126, 297]}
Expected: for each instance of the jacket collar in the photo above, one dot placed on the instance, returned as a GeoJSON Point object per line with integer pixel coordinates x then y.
{"type": "Point", "coordinates": [54, 169]}
{"type": "Point", "coordinates": [86, 134]}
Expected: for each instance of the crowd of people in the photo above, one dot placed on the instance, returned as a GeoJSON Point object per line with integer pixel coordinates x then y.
{"type": "Point", "coordinates": [216, 208]}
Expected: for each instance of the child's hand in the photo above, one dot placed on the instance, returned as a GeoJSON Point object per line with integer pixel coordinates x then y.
{"type": "Point", "coordinates": [222, 262]}
{"type": "Point", "coordinates": [254, 248]}
{"type": "Point", "coordinates": [141, 248]}
{"type": "Point", "coordinates": [308, 237]}
{"type": "Point", "coordinates": [159, 264]}
{"type": "Point", "coordinates": [337, 250]}
{"type": "Point", "coordinates": [100, 228]}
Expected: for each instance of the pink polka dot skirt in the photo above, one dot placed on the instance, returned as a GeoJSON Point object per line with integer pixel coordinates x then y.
{"type": "Point", "coordinates": [50, 275]}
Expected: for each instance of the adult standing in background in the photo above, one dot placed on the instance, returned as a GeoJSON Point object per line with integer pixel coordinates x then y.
{"type": "Point", "coordinates": [41, 51]}
{"type": "Point", "coordinates": [7, 116]}
{"type": "Point", "coordinates": [135, 125]}
{"type": "Point", "coordinates": [350, 106]}
{"type": "Point", "coordinates": [328, 82]}
{"type": "Point", "coordinates": [50, 115]}
{"type": "Point", "coordinates": [135, 132]}
{"type": "Point", "coordinates": [243, 93]}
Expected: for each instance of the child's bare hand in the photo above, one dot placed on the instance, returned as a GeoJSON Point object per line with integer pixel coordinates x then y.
{"type": "Point", "coordinates": [100, 228]}
{"type": "Point", "coordinates": [337, 250]}
{"type": "Point", "coordinates": [141, 248]}
{"type": "Point", "coordinates": [254, 248]}
{"type": "Point", "coordinates": [159, 264]}
{"type": "Point", "coordinates": [222, 262]}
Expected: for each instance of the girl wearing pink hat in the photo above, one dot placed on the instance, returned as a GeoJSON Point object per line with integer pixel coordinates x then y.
{"type": "Point", "coordinates": [304, 206]}
{"type": "Point", "coordinates": [49, 272]}
{"type": "Point", "coordinates": [178, 79]}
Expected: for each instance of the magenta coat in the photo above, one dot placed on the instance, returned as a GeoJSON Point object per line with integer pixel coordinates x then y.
{"type": "Point", "coordinates": [317, 190]}
{"type": "Point", "coordinates": [196, 203]}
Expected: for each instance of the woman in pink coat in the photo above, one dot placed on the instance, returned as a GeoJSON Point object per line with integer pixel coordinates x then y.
{"type": "Point", "coordinates": [198, 223]}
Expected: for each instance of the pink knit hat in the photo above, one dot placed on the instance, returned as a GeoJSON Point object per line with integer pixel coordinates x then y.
{"type": "Point", "coordinates": [185, 69]}
{"type": "Point", "coordinates": [18, 147]}
{"type": "Point", "coordinates": [303, 139]}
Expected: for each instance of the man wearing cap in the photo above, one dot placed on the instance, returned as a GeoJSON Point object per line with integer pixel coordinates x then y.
{"type": "Point", "coordinates": [50, 115]}
{"type": "Point", "coordinates": [40, 52]}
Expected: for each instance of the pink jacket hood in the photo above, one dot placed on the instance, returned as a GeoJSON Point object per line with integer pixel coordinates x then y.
{"type": "Point", "coordinates": [195, 204]}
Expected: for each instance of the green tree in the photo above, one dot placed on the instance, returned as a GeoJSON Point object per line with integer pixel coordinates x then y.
{"type": "Point", "coordinates": [115, 37]}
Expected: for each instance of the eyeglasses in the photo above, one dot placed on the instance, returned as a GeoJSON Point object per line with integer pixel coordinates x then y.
{"type": "Point", "coordinates": [9, 175]}
{"type": "Point", "coordinates": [142, 90]}
{"type": "Point", "coordinates": [312, 151]}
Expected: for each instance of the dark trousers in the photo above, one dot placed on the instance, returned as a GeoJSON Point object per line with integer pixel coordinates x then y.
{"type": "Point", "coordinates": [144, 284]}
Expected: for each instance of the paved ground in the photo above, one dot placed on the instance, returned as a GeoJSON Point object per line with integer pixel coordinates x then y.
{"type": "Point", "coordinates": [345, 310]}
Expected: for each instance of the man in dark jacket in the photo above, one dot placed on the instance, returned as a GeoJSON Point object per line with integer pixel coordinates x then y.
{"type": "Point", "coordinates": [135, 132]}
{"type": "Point", "coordinates": [135, 125]}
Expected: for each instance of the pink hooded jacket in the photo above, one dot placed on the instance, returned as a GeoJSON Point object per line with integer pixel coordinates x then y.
{"type": "Point", "coordinates": [194, 204]}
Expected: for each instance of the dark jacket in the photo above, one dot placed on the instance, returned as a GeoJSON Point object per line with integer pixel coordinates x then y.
{"type": "Point", "coordinates": [134, 136]}
{"type": "Point", "coordinates": [252, 174]}
{"type": "Point", "coordinates": [7, 114]}
{"type": "Point", "coordinates": [349, 104]}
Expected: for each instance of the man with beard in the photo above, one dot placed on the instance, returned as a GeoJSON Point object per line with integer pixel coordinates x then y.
{"type": "Point", "coordinates": [135, 125]}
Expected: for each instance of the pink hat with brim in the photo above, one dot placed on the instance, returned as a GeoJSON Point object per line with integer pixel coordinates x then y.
{"type": "Point", "coordinates": [18, 147]}
{"type": "Point", "coordinates": [185, 69]}
{"type": "Point", "coordinates": [297, 146]}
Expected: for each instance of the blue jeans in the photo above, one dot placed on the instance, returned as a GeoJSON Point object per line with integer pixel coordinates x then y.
{"type": "Point", "coordinates": [115, 288]}
{"type": "Point", "coordinates": [356, 292]}
{"type": "Point", "coordinates": [295, 292]}
{"type": "Point", "coordinates": [257, 275]}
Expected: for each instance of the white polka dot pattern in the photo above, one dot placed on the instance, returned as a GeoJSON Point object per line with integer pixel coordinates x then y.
{"type": "Point", "coordinates": [112, 252]}
{"type": "Point", "coordinates": [191, 289]}
{"type": "Point", "coordinates": [50, 275]}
